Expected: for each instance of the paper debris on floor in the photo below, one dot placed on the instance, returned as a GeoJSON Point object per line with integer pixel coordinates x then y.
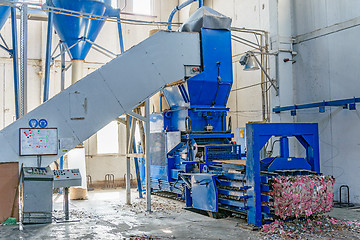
{"type": "Point", "coordinates": [319, 227]}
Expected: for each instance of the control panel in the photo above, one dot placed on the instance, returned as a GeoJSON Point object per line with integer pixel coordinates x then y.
{"type": "Point", "coordinates": [67, 178]}
{"type": "Point", "coordinates": [37, 172]}
{"type": "Point", "coordinates": [191, 71]}
{"type": "Point", "coordinates": [38, 141]}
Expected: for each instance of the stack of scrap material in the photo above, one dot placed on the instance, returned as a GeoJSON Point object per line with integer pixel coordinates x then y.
{"type": "Point", "coordinates": [302, 196]}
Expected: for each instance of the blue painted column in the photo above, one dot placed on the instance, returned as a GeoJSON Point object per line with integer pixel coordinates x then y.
{"type": "Point", "coordinates": [15, 61]}
{"type": "Point", "coordinates": [253, 178]}
{"type": "Point", "coordinates": [48, 56]}
{"type": "Point", "coordinates": [120, 34]}
{"type": "Point", "coordinates": [284, 147]}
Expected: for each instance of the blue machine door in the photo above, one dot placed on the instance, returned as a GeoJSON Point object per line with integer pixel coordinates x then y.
{"type": "Point", "coordinates": [204, 192]}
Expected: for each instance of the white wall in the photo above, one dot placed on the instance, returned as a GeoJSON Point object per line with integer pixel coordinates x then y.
{"type": "Point", "coordinates": [327, 68]}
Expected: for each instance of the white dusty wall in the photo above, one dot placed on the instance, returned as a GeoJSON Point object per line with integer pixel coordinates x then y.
{"type": "Point", "coordinates": [327, 68]}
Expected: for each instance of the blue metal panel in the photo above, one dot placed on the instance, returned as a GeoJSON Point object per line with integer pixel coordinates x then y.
{"type": "Point", "coordinates": [289, 163]}
{"type": "Point", "coordinates": [72, 29]}
{"type": "Point", "coordinates": [204, 192]}
{"type": "Point", "coordinates": [174, 120]}
{"type": "Point", "coordinates": [265, 188]}
{"type": "Point", "coordinates": [233, 203]}
{"type": "Point", "coordinates": [222, 152]}
{"type": "Point", "coordinates": [235, 176]}
{"type": "Point", "coordinates": [213, 85]}
{"type": "Point", "coordinates": [223, 182]}
{"type": "Point", "coordinates": [265, 209]}
{"type": "Point", "coordinates": [265, 198]}
{"type": "Point", "coordinates": [159, 172]}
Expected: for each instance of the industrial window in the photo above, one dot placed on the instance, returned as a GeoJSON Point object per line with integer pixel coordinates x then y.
{"type": "Point", "coordinates": [108, 139]}
{"type": "Point", "coordinates": [142, 7]}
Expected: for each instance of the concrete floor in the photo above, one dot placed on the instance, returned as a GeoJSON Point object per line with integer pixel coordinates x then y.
{"type": "Point", "coordinates": [105, 216]}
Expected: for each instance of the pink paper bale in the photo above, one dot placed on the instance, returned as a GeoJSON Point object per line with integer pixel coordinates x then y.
{"type": "Point", "coordinates": [302, 196]}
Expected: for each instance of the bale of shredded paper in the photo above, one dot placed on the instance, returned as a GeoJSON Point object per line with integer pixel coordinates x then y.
{"type": "Point", "coordinates": [302, 196]}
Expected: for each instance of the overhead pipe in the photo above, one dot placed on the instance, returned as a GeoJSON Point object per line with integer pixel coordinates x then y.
{"type": "Point", "coordinates": [201, 3]}
{"type": "Point", "coordinates": [15, 61]}
{"type": "Point", "coordinates": [116, 13]}
{"type": "Point", "coordinates": [120, 34]}
{"type": "Point", "coordinates": [178, 8]}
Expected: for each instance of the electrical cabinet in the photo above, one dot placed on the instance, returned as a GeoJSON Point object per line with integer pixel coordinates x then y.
{"type": "Point", "coordinates": [37, 193]}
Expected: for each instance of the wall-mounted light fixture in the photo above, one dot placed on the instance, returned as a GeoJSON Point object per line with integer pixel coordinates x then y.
{"type": "Point", "coordinates": [252, 63]}
{"type": "Point", "coordinates": [249, 62]}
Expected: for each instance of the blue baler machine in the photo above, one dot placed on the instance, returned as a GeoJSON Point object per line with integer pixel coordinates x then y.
{"type": "Point", "coordinates": [192, 153]}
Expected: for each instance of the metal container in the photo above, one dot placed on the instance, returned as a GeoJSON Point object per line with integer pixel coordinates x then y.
{"type": "Point", "coordinates": [71, 29]}
{"type": "Point", "coordinates": [4, 15]}
{"type": "Point", "coordinates": [209, 85]}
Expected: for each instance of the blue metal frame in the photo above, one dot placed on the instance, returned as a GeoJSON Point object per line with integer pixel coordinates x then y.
{"type": "Point", "coordinates": [257, 136]}
{"type": "Point", "coordinates": [349, 103]}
